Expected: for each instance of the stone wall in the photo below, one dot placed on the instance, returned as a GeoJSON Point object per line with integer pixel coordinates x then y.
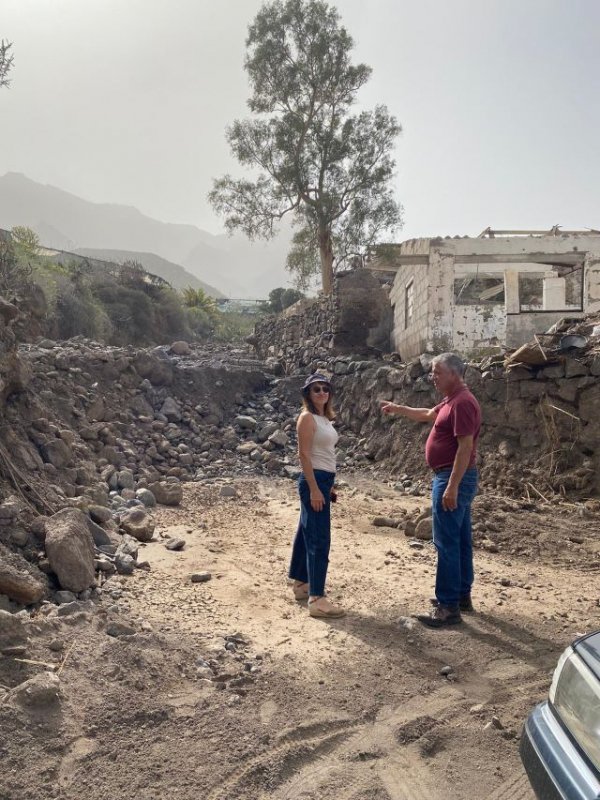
{"type": "Point", "coordinates": [355, 318]}
{"type": "Point", "coordinates": [540, 429]}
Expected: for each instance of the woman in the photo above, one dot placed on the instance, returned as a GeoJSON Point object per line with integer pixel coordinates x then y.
{"type": "Point", "coordinates": [316, 448]}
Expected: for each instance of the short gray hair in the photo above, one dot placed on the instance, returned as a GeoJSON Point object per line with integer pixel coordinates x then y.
{"type": "Point", "coordinates": [452, 361]}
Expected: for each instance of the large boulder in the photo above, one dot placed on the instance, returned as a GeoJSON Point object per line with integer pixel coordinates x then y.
{"type": "Point", "coordinates": [138, 523]}
{"type": "Point", "coordinates": [18, 579]}
{"type": "Point", "coordinates": [167, 493]}
{"type": "Point", "coordinates": [56, 452]}
{"type": "Point", "coordinates": [70, 549]}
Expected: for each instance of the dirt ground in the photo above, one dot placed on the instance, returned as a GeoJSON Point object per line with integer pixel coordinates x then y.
{"type": "Point", "coordinates": [229, 690]}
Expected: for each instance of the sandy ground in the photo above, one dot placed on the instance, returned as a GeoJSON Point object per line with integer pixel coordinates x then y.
{"type": "Point", "coordinates": [230, 690]}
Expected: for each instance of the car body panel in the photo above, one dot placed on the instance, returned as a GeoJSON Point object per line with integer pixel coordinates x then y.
{"type": "Point", "coordinates": [588, 649]}
{"type": "Point", "coordinates": [555, 767]}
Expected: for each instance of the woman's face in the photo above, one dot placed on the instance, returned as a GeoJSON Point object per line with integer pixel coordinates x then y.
{"type": "Point", "coordinates": [319, 394]}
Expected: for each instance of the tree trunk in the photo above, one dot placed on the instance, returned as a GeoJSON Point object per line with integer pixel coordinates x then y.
{"type": "Point", "coordinates": [326, 253]}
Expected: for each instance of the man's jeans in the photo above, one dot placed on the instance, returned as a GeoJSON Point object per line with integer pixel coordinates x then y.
{"type": "Point", "coordinates": [452, 537]}
{"type": "Point", "coordinates": [310, 553]}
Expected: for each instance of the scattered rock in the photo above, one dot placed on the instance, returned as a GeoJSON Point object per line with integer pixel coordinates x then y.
{"type": "Point", "coordinates": [41, 690]}
{"type": "Point", "coordinates": [139, 524]}
{"type": "Point", "coordinates": [118, 629]}
{"type": "Point", "coordinates": [17, 579]}
{"type": "Point", "coordinates": [384, 522]}
{"type": "Point", "coordinates": [200, 577]}
{"type": "Point", "coordinates": [167, 493]}
{"type": "Point", "coordinates": [70, 549]}
{"type": "Point", "coordinates": [424, 529]}
{"type": "Point", "coordinates": [12, 632]}
{"type": "Point", "coordinates": [229, 491]}
{"type": "Point", "coordinates": [175, 544]}
{"type": "Point", "coordinates": [64, 596]}
{"type": "Point", "coordinates": [446, 671]}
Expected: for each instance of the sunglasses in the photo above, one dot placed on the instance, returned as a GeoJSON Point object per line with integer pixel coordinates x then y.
{"type": "Point", "coordinates": [319, 389]}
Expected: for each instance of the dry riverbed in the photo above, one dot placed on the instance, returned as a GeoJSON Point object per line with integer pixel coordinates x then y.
{"type": "Point", "coordinates": [229, 690]}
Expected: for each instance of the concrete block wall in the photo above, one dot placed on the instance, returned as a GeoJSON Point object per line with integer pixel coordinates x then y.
{"type": "Point", "coordinates": [413, 340]}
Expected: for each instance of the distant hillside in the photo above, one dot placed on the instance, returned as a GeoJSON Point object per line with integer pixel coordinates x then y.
{"type": "Point", "coordinates": [175, 274]}
{"type": "Point", "coordinates": [65, 221]}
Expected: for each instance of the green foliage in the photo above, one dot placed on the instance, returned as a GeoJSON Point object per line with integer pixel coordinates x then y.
{"type": "Point", "coordinates": [77, 313]}
{"type": "Point", "coordinates": [26, 242]}
{"type": "Point", "coordinates": [328, 168]}
{"type": "Point", "coordinates": [234, 326]}
{"type": "Point", "coordinates": [6, 62]}
{"type": "Point", "coordinates": [281, 298]}
{"type": "Point", "coordinates": [120, 304]}
{"type": "Point", "coordinates": [197, 298]}
{"type": "Point", "coordinates": [15, 275]}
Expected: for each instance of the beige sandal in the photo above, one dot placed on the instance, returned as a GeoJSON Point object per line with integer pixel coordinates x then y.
{"type": "Point", "coordinates": [300, 591]}
{"type": "Point", "coordinates": [333, 612]}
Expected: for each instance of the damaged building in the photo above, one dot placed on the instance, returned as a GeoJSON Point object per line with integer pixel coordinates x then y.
{"type": "Point", "coordinates": [471, 294]}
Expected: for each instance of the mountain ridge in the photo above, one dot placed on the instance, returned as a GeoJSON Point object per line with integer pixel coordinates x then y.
{"type": "Point", "coordinates": [233, 265]}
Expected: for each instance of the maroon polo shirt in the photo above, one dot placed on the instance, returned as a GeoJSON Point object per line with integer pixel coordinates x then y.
{"type": "Point", "coordinates": [457, 415]}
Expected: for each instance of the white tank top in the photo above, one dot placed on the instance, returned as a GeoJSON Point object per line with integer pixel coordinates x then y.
{"type": "Point", "coordinates": [322, 455]}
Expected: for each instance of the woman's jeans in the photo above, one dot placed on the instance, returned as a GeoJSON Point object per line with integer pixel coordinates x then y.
{"type": "Point", "coordinates": [310, 553]}
{"type": "Point", "coordinates": [452, 537]}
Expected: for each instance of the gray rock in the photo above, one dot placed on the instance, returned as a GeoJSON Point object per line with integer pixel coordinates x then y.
{"type": "Point", "coordinates": [12, 631]}
{"type": "Point", "coordinates": [56, 452]}
{"type": "Point", "coordinates": [41, 690]}
{"type": "Point", "coordinates": [128, 546]}
{"type": "Point", "coordinates": [171, 410]}
{"type": "Point", "coordinates": [100, 536]}
{"type": "Point", "coordinates": [138, 523]}
{"type": "Point", "coordinates": [146, 497]}
{"type": "Point", "coordinates": [279, 438]}
{"type": "Point", "coordinates": [70, 549]}
{"type": "Point", "coordinates": [246, 448]}
{"type": "Point", "coordinates": [175, 544]}
{"type": "Point", "coordinates": [446, 670]}
{"type": "Point", "coordinates": [125, 479]}
{"type": "Point", "coordinates": [167, 493]}
{"type": "Point", "coordinates": [67, 609]}
{"type": "Point", "coordinates": [229, 491]}
{"type": "Point", "coordinates": [424, 529]}
{"type": "Point", "coordinates": [118, 629]}
{"type": "Point", "coordinates": [99, 514]}
{"type": "Point", "coordinates": [267, 430]}
{"type": "Point", "coordinates": [18, 580]}
{"type": "Point", "coordinates": [245, 422]}
{"type": "Point", "coordinates": [124, 564]}
{"type": "Point", "coordinates": [200, 577]}
{"type": "Point", "coordinates": [384, 522]}
{"type": "Point", "coordinates": [64, 597]}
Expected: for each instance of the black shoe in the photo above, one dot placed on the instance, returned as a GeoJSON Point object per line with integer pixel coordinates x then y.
{"type": "Point", "coordinates": [465, 603]}
{"type": "Point", "coordinates": [440, 617]}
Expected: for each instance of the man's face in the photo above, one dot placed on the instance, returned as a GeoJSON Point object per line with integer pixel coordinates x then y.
{"type": "Point", "coordinates": [444, 379]}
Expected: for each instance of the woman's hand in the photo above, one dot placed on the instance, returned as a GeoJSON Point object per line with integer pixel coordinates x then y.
{"type": "Point", "coordinates": [317, 501]}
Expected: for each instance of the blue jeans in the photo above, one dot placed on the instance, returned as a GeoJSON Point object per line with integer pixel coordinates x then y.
{"type": "Point", "coordinates": [310, 552]}
{"type": "Point", "coordinates": [452, 537]}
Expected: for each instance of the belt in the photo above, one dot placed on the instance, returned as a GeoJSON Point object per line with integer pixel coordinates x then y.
{"type": "Point", "coordinates": [442, 469]}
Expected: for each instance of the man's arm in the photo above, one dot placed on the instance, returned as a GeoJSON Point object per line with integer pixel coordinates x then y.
{"type": "Point", "coordinates": [416, 414]}
{"type": "Point", "coordinates": [461, 462]}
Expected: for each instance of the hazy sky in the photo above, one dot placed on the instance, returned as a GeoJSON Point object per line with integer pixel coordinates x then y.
{"type": "Point", "coordinates": [127, 101]}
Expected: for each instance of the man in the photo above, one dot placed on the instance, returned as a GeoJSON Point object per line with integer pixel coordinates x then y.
{"type": "Point", "coordinates": [451, 452]}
